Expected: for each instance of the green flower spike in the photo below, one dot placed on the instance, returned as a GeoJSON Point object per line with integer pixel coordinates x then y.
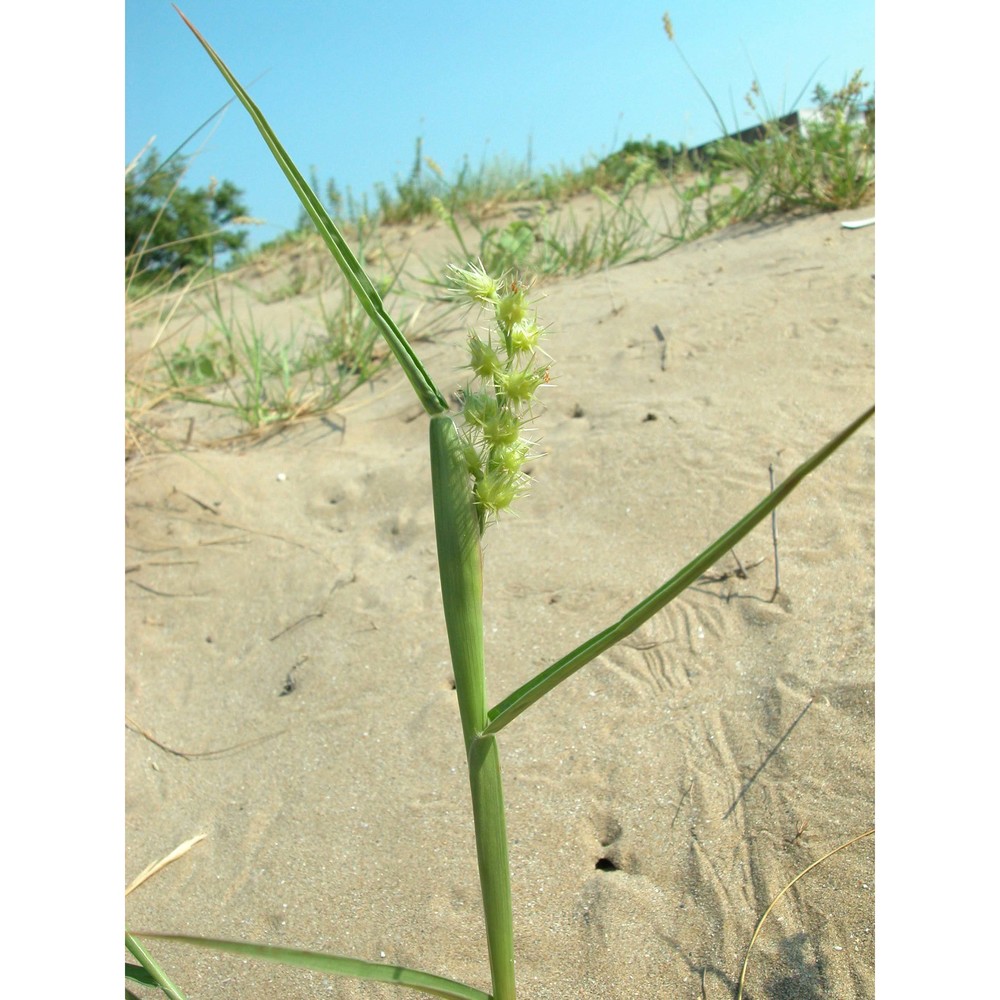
{"type": "Point", "coordinates": [502, 430]}
{"type": "Point", "coordinates": [506, 377]}
{"type": "Point", "coordinates": [509, 458]}
{"type": "Point", "coordinates": [480, 409]}
{"type": "Point", "coordinates": [519, 387]}
{"type": "Point", "coordinates": [498, 489]}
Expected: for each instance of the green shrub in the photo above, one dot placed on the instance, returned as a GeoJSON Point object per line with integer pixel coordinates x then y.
{"type": "Point", "coordinates": [169, 228]}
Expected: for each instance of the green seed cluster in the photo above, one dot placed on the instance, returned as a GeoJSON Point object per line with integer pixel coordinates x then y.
{"type": "Point", "coordinates": [497, 402]}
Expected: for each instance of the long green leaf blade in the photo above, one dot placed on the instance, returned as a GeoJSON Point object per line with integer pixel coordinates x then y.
{"type": "Point", "coordinates": [526, 695]}
{"type": "Point", "coordinates": [337, 965]}
{"type": "Point", "coordinates": [427, 392]}
{"type": "Point", "coordinates": [152, 968]}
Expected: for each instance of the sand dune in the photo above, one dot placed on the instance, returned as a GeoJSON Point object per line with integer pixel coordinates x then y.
{"type": "Point", "coordinates": [661, 798]}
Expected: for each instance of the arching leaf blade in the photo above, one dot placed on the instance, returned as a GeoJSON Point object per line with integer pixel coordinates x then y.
{"type": "Point", "coordinates": [427, 392]}
{"type": "Point", "coordinates": [336, 965]}
{"type": "Point", "coordinates": [525, 696]}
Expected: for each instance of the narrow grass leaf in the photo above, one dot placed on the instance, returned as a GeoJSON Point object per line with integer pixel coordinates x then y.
{"type": "Point", "coordinates": [151, 967]}
{"type": "Point", "coordinates": [427, 392]}
{"type": "Point", "coordinates": [526, 695]}
{"type": "Point", "coordinates": [337, 965]}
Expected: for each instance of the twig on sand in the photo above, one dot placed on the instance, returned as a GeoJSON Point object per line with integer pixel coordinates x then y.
{"type": "Point", "coordinates": [767, 912]}
{"type": "Point", "coordinates": [800, 829]}
{"type": "Point", "coordinates": [774, 536]}
{"type": "Point", "coordinates": [662, 338]}
{"type": "Point", "coordinates": [152, 869]}
{"type": "Point", "coordinates": [740, 573]}
{"type": "Point", "coordinates": [136, 728]}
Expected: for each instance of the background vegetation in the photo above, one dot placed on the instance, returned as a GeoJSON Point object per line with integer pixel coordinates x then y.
{"type": "Point", "coordinates": [169, 228]}
{"type": "Point", "coordinates": [645, 199]}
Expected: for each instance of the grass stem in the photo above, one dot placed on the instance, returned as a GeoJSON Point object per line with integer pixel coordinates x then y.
{"type": "Point", "coordinates": [494, 865]}
{"type": "Point", "coordinates": [460, 564]}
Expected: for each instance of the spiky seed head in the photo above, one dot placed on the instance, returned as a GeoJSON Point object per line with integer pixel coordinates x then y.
{"type": "Point", "coordinates": [475, 284]}
{"type": "Point", "coordinates": [511, 309]}
{"type": "Point", "coordinates": [510, 457]}
{"type": "Point", "coordinates": [473, 460]}
{"type": "Point", "coordinates": [519, 386]}
{"type": "Point", "coordinates": [524, 337]}
{"type": "Point", "coordinates": [480, 408]}
{"type": "Point", "coordinates": [503, 429]}
{"type": "Point", "coordinates": [498, 489]}
{"type": "Point", "coordinates": [506, 380]}
{"type": "Point", "coordinates": [485, 361]}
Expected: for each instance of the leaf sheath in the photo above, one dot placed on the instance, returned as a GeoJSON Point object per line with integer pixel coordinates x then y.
{"type": "Point", "coordinates": [460, 561]}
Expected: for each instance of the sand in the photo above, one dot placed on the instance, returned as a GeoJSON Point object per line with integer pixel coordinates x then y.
{"type": "Point", "coordinates": [660, 799]}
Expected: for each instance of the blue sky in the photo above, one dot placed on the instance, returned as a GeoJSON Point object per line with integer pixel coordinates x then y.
{"type": "Point", "coordinates": [349, 86]}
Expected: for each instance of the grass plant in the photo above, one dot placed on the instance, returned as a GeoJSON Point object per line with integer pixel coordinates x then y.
{"type": "Point", "coordinates": [262, 380]}
{"type": "Point", "coordinates": [144, 391]}
{"type": "Point", "coordinates": [478, 190]}
{"type": "Point", "coordinates": [265, 381]}
{"type": "Point", "coordinates": [827, 163]}
{"type": "Point", "coordinates": [550, 243]}
{"type": "Point", "coordinates": [476, 474]}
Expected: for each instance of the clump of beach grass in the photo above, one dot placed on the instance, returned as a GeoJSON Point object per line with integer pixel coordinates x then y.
{"type": "Point", "coordinates": [825, 163]}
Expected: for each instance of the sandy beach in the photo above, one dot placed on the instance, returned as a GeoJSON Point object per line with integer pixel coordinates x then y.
{"type": "Point", "coordinates": [289, 693]}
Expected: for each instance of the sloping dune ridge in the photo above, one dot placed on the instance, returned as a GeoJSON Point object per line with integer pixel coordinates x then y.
{"type": "Point", "coordinates": [284, 631]}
